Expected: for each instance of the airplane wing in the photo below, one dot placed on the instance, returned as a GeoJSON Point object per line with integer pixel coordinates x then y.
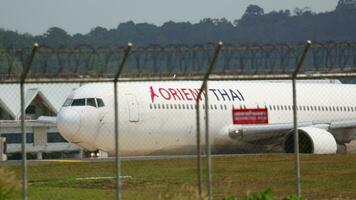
{"type": "Point", "coordinates": [247, 131]}
{"type": "Point", "coordinates": [257, 132]}
{"type": "Point", "coordinates": [343, 124]}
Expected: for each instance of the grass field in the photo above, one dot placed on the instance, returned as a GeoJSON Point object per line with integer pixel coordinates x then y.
{"type": "Point", "coordinates": [323, 177]}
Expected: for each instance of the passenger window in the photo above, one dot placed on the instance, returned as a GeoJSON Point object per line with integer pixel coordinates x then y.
{"type": "Point", "coordinates": [225, 107]}
{"type": "Point", "coordinates": [78, 102]}
{"type": "Point", "coordinates": [91, 102]}
{"type": "Point", "coordinates": [163, 107]}
{"type": "Point", "coordinates": [171, 106]}
{"type": "Point", "coordinates": [151, 106]}
{"type": "Point", "coordinates": [100, 103]}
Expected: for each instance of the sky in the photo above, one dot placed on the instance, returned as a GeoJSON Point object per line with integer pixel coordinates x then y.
{"type": "Point", "coordinates": [80, 16]}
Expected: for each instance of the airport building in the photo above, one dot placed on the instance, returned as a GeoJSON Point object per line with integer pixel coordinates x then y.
{"type": "Point", "coordinates": [43, 139]}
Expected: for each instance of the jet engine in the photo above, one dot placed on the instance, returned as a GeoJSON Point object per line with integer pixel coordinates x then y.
{"type": "Point", "coordinates": [312, 140]}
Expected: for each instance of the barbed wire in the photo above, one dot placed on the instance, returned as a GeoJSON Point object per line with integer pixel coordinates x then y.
{"type": "Point", "coordinates": [243, 59]}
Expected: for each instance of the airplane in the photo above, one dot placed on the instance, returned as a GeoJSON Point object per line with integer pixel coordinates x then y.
{"type": "Point", "coordinates": [156, 118]}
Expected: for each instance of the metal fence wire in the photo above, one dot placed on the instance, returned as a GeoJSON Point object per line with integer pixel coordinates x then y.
{"type": "Point", "coordinates": [167, 61]}
{"type": "Point", "coordinates": [178, 122]}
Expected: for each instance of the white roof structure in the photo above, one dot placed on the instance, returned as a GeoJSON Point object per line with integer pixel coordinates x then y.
{"type": "Point", "coordinates": [6, 109]}
{"type": "Point", "coordinates": [51, 95]}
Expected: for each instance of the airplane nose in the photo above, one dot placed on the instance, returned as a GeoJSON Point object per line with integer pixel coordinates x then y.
{"type": "Point", "coordinates": [68, 123]}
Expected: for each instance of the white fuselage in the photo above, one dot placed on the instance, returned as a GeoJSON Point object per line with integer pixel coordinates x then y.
{"type": "Point", "coordinates": [160, 117]}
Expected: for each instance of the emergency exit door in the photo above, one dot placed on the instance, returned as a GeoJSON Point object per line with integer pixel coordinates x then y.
{"type": "Point", "coordinates": [133, 108]}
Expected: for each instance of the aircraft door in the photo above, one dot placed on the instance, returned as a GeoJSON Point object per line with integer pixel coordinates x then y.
{"type": "Point", "coordinates": [132, 108]}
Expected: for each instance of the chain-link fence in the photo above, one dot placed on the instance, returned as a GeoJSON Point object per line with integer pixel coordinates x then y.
{"type": "Point", "coordinates": [178, 122]}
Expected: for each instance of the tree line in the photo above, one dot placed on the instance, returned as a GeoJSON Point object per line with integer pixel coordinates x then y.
{"type": "Point", "coordinates": [255, 26]}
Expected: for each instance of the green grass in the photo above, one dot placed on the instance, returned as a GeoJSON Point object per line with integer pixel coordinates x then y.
{"type": "Point", "coordinates": [323, 177]}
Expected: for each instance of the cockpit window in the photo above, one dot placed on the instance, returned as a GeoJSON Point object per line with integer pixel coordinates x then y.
{"type": "Point", "coordinates": [68, 102]}
{"type": "Point", "coordinates": [100, 103]}
{"type": "Point", "coordinates": [94, 102]}
{"type": "Point", "coordinates": [91, 102]}
{"type": "Point", "coordinates": [78, 102]}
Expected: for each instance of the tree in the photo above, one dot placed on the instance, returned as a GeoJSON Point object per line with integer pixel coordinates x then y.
{"type": "Point", "coordinates": [254, 10]}
{"type": "Point", "coordinates": [302, 11]}
{"type": "Point", "coordinates": [57, 38]}
{"type": "Point", "coordinates": [346, 5]}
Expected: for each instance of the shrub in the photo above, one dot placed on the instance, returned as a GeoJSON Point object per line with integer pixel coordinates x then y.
{"type": "Point", "coordinates": [265, 195]}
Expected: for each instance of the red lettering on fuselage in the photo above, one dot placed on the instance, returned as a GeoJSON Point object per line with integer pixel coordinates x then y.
{"type": "Point", "coordinates": [194, 94]}
{"type": "Point", "coordinates": [165, 93]}
{"type": "Point", "coordinates": [174, 93]}
{"type": "Point", "coordinates": [180, 92]}
{"type": "Point", "coordinates": [188, 94]}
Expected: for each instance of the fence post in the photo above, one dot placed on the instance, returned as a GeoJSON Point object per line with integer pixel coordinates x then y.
{"type": "Point", "coordinates": [117, 152]}
{"type": "Point", "coordinates": [199, 169]}
{"type": "Point", "coordinates": [204, 87]}
{"type": "Point", "coordinates": [295, 120]}
{"type": "Point", "coordinates": [26, 69]}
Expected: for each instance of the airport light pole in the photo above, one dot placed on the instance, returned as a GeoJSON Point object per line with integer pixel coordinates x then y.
{"type": "Point", "coordinates": [295, 120]}
{"type": "Point", "coordinates": [204, 87]}
{"type": "Point", "coordinates": [23, 76]}
{"type": "Point", "coordinates": [117, 144]}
